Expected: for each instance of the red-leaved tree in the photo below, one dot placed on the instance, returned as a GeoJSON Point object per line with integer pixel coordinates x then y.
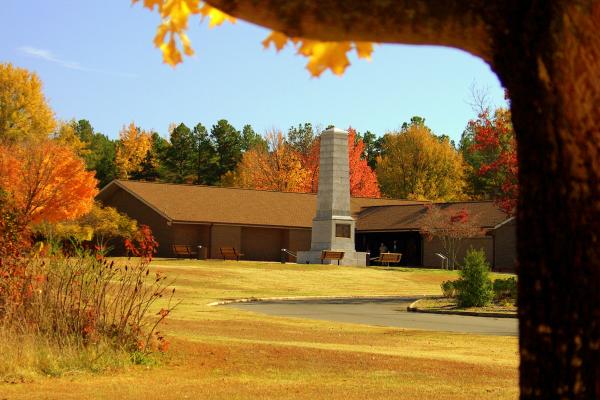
{"type": "Point", "coordinates": [451, 227]}
{"type": "Point", "coordinates": [494, 151]}
{"type": "Point", "coordinates": [142, 244]}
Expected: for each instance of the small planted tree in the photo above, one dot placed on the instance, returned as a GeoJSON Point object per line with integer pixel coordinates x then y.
{"type": "Point", "coordinates": [107, 224]}
{"type": "Point", "coordinates": [102, 225]}
{"type": "Point", "coordinates": [451, 228]}
{"type": "Point", "coordinates": [474, 288]}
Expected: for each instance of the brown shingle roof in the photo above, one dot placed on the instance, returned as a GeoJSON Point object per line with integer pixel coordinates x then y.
{"type": "Point", "coordinates": [409, 217]}
{"type": "Point", "coordinates": [212, 204]}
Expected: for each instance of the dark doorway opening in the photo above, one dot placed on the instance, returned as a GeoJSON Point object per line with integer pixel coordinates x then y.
{"type": "Point", "coordinates": [407, 243]}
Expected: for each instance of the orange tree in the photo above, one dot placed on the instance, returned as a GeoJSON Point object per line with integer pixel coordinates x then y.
{"type": "Point", "coordinates": [547, 54]}
{"type": "Point", "coordinates": [276, 166]}
{"type": "Point", "coordinates": [45, 181]}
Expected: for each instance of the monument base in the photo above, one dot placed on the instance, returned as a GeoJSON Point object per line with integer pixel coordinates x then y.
{"type": "Point", "coordinates": [353, 258]}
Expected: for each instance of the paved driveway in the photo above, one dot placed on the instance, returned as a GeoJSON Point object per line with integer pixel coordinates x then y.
{"type": "Point", "coordinates": [382, 312]}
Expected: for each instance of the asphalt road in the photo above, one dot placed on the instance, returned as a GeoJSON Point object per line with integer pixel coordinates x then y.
{"type": "Point", "coordinates": [382, 312]}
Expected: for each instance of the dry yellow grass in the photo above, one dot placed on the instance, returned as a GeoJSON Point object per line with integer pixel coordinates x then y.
{"type": "Point", "coordinates": [223, 353]}
{"type": "Point", "coordinates": [446, 304]}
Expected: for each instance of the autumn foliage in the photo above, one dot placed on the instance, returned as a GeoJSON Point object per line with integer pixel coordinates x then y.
{"type": "Point", "coordinates": [494, 148]}
{"type": "Point", "coordinates": [451, 226]}
{"type": "Point", "coordinates": [142, 244]}
{"type": "Point", "coordinates": [134, 144]}
{"type": "Point", "coordinates": [278, 166]}
{"type": "Point", "coordinates": [363, 180]}
{"type": "Point", "coordinates": [24, 111]}
{"type": "Point", "coordinates": [46, 181]}
{"type": "Point", "coordinates": [417, 164]}
{"type": "Point", "coordinates": [322, 55]}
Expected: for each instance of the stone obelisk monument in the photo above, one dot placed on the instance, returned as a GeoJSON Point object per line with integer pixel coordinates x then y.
{"type": "Point", "coordinates": [333, 226]}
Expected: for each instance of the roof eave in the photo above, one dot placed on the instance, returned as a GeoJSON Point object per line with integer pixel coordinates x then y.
{"type": "Point", "coordinates": [117, 183]}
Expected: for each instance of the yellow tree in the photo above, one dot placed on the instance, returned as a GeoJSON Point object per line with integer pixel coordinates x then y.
{"type": "Point", "coordinates": [46, 181]}
{"type": "Point", "coordinates": [547, 54]}
{"type": "Point", "coordinates": [24, 112]}
{"type": "Point", "coordinates": [132, 149]}
{"type": "Point", "coordinates": [273, 167]}
{"type": "Point", "coordinates": [66, 135]}
{"type": "Point", "coordinates": [419, 165]}
{"type": "Point", "coordinates": [101, 224]}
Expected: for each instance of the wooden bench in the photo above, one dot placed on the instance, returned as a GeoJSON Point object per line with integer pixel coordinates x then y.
{"type": "Point", "coordinates": [184, 250]}
{"type": "Point", "coordinates": [230, 253]}
{"type": "Point", "coordinates": [388, 258]}
{"type": "Point", "coordinates": [332, 255]}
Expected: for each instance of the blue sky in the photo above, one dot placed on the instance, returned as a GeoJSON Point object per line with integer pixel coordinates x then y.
{"type": "Point", "coordinates": [97, 62]}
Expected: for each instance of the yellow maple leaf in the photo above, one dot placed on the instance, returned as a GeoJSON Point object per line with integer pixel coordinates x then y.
{"type": "Point", "coordinates": [161, 33]}
{"type": "Point", "coordinates": [185, 41]}
{"type": "Point", "coordinates": [175, 15]}
{"type": "Point", "coordinates": [364, 49]}
{"type": "Point", "coordinates": [171, 55]}
{"type": "Point", "coordinates": [178, 12]}
{"type": "Point", "coordinates": [321, 55]}
{"type": "Point", "coordinates": [150, 4]}
{"type": "Point", "coordinates": [216, 17]}
{"type": "Point", "coordinates": [278, 39]}
{"type": "Point", "coordinates": [325, 55]}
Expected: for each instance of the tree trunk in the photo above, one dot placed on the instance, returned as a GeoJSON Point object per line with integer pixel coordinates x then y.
{"type": "Point", "coordinates": [552, 72]}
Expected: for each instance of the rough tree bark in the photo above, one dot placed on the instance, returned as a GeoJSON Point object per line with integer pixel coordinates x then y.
{"type": "Point", "coordinates": [549, 60]}
{"type": "Point", "coordinates": [547, 54]}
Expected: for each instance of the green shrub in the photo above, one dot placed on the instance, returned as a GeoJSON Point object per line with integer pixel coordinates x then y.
{"type": "Point", "coordinates": [475, 285]}
{"type": "Point", "coordinates": [449, 289]}
{"type": "Point", "coordinates": [505, 290]}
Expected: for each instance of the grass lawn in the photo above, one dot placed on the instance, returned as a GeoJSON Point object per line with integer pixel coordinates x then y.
{"type": "Point", "coordinates": [225, 353]}
{"type": "Point", "coordinates": [446, 304]}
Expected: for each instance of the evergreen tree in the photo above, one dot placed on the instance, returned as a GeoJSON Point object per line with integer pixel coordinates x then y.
{"type": "Point", "coordinates": [105, 150]}
{"type": "Point", "coordinates": [372, 147]}
{"type": "Point", "coordinates": [152, 166]}
{"type": "Point", "coordinates": [160, 145]}
{"type": "Point", "coordinates": [100, 152]}
{"type": "Point", "coordinates": [415, 121]}
{"type": "Point", "coordinates": [84, 130]}
{"type": "Point", "coordinates": [251, 139]}
{"type": "Point", "coordinates": [301, 138]}
{"type": "Point", "coordinates": [206, 157]}
{"type": "Point", "coordinates": [228, 145]}
{"type": "Point", "coordinates": [181, 156]}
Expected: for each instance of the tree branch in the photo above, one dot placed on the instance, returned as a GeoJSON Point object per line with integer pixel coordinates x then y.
{"type": "Point", "coordinates": [463, 24]}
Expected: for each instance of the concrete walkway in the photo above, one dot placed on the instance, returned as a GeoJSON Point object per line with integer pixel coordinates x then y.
{"type": "Point", "coordinates": [381, 312]}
